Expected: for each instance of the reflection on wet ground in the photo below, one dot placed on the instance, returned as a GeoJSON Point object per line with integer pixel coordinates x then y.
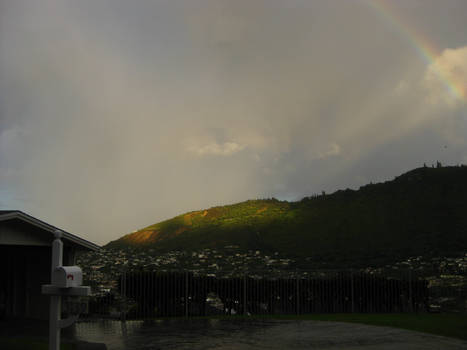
{"type": "Point", "coordinates": [239, 334]}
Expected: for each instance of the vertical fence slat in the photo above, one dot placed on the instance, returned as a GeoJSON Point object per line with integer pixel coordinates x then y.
{"type": "Point", "coordinates": [244, 296]}
{"type": "Point", "coordinates": [352, 293]}
{"type": "Point", "coordinates": [297, 302]}
{"type": "Point", "coordinates": [410, 291]}
{"type": "Point", "coordinates": [186, 293]}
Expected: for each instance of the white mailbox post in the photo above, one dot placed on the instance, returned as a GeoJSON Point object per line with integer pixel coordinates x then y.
{"type": "Point", "coordinates": [66, 280]}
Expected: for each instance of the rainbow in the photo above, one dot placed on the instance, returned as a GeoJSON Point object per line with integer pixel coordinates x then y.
{"type": "Point", "coordinates": [427, 50]}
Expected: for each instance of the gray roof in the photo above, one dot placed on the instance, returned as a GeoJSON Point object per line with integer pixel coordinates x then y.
{"type": "Point", "coordinates": [18, 214]}
{"type": "Point", "coordinates": [7, 211]}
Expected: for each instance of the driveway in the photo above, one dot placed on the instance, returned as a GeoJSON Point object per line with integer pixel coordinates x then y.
{"type": "Point", "coordinates": [257, 334]}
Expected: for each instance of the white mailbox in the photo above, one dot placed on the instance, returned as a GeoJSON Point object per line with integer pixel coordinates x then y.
{"type": "Point", "coordinates": [67, 276]}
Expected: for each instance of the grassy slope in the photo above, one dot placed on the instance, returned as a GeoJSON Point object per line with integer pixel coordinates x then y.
{"type": "Point", "coordinates": [421, 212]}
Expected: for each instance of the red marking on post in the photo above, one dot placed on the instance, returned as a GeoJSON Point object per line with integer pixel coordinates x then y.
{"type": "Point", "coordinates": [70, 276]}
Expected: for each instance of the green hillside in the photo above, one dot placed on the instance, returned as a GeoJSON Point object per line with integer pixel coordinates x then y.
{"type": "Point", "coordinates": [422, 212]}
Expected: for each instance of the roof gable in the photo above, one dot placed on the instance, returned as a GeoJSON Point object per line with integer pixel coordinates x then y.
{"type": "Point", "coordinates": [17, 214]}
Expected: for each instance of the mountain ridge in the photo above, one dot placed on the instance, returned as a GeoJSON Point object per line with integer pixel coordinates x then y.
{"type": "Point", "coordinates": [421, 212]}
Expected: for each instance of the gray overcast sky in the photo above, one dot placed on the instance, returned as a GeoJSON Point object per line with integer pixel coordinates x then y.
{"type": "Point", "coordinates": [117, 114]}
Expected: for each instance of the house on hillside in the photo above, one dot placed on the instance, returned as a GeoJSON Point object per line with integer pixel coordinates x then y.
{"type": "Point", "coordinates": [25, 263]}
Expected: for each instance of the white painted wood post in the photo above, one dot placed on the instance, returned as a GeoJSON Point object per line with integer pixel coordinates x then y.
{"type": "Point", "coordinates": [55, 300]}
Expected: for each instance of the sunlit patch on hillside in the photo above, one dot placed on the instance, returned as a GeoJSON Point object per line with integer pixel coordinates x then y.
{"type": "Point", "coordinates": [180, 230]}
{"type": "Point", "coordinates": [188, 218]}
{"type": "Point", "coordinates": [145, 236]}
{"type": "Point", "coordinates": [259, 211]}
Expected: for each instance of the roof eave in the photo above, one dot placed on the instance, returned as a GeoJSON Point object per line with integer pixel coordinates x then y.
{"type": "Point", "coordinates": [47, 227]}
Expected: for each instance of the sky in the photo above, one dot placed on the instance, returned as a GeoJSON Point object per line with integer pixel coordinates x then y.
{"type": "Point", "coordinates": [117, 114]}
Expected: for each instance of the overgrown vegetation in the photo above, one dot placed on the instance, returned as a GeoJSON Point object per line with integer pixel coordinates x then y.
{"type": "Point", "coordinates": [421, 212]}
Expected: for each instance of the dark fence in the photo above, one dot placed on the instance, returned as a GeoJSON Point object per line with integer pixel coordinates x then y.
{"type": "Point", "coordinates": [139, 295]}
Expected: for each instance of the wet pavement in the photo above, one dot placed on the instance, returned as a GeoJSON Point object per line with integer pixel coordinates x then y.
{"type": "Point", "coordinates": [255, 334]}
